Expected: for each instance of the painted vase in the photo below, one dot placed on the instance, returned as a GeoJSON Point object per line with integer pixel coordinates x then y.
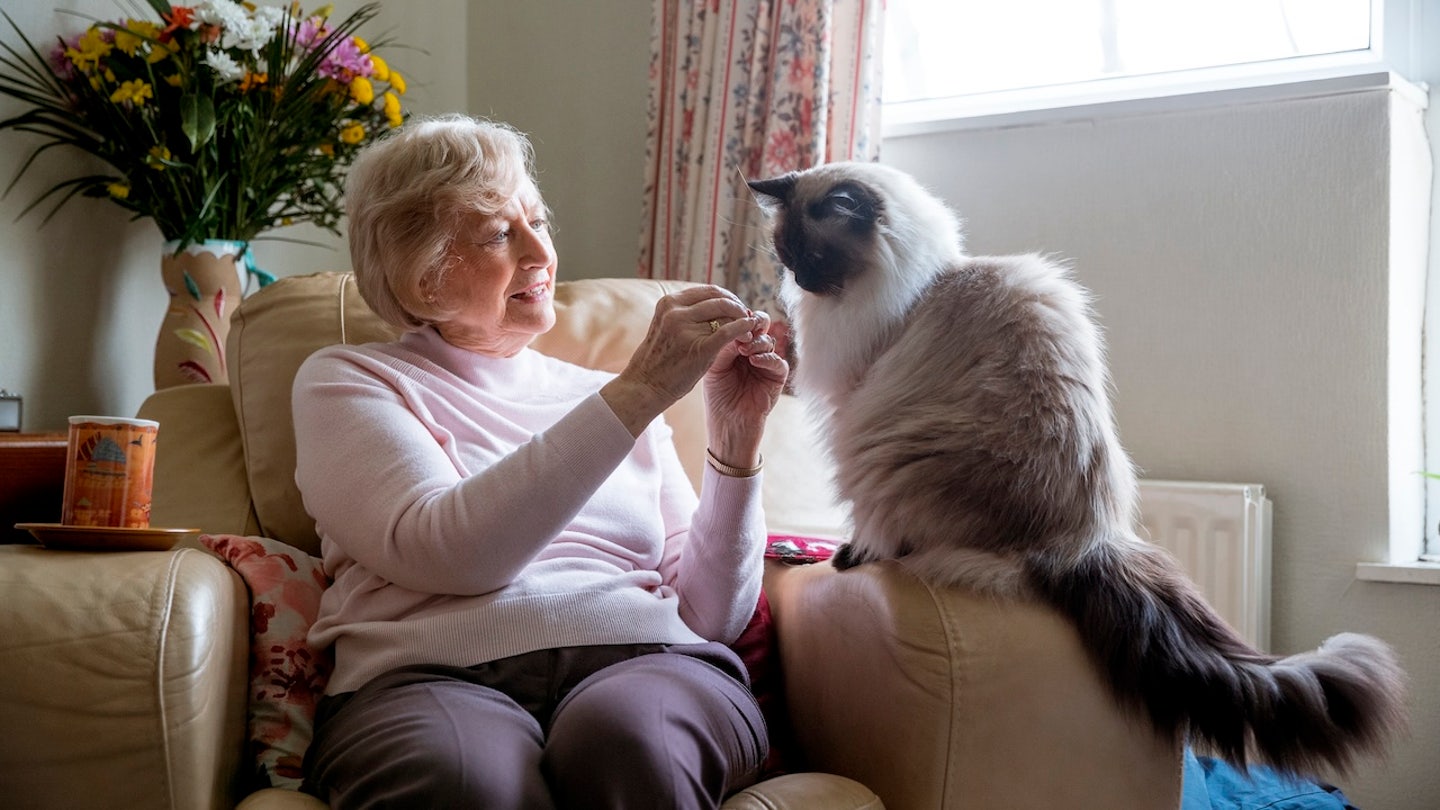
{"type": "Point", "coordinates": [205, 281]}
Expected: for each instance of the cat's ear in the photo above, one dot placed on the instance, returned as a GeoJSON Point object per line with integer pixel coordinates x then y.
{"type": "Point", "coordinates": [776, 190]}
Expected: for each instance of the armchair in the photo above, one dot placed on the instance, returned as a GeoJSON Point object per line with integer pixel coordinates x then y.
{"type": "Point", "coordinates": [123, 675]}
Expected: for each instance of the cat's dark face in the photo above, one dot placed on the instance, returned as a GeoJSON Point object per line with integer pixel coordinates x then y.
{"type": "Point", "coordinates": [825, 228]}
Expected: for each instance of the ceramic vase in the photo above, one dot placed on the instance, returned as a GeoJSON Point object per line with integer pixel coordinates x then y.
{"type": "Point", "coordinates": [205, 281]}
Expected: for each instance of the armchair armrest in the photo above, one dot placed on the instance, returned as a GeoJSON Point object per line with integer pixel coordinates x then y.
{"type": "Point", "coordinates": [122, 679]}
{"type": "Point", "coordinates": [939, 698]}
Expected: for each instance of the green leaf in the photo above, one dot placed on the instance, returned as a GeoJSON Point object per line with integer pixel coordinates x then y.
{"type": "Point", "coordinates": [191, 287]}
{"type": "Point", "coordinates": [197, 119]}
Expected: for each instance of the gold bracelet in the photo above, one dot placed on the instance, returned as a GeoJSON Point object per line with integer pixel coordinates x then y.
{"type": "Point", "coordinates": [734, 472]}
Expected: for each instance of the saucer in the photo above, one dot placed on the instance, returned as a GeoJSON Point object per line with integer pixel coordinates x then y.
{"type": "Point", "coordinates": [104, 538]}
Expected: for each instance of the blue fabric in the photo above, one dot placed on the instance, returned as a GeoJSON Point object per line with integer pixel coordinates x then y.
{"type": "Point", "coordinates": [1211, 784]}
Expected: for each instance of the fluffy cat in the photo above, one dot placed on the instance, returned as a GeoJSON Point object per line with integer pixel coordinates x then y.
{"type": "Point", "coordinates": [966, 406]}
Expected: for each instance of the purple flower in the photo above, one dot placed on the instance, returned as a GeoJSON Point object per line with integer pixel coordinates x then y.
{"type": "Point", "coordinates": [344, 62]}
{"type": "Point", "coordinates": [60, 64]}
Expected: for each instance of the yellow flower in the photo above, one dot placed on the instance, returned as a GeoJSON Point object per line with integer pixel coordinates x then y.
{"type": "Point", "coordinates": [174, 80]}
{"type": "Point", "coordinates": [127, 42]}
{"type": "Point", "coordinates": [92, 47]}
{"type": "Point", "coordinates": [98, 80]}
{"type": "Point", "coordinates": [253, 80]}
{"type": "Point", "coordinates": [361, 90]}
{"type": "Point", "coordinates": [352, 134]}
{"type": "Point", "coordinates": [133, 90]}
{"type": "Point", "coordinates": [382, 70]}
{"type": "Point", "coordinates": [135, 34]}
{"type": "Point", "coordinates": [118, 190]}
{"type": "Point", "coordinates": [361, 44]}
{"type": "Point", "coordinates": [327, 149]}
{"type": "Point", "coordinates": [397, 82]}
{"type": "Point", "coordinates": [158, 155]}
{"type": "Point", "coordinates": [160, 51]}
{"type": "Point", "coordinates": [392, 109]}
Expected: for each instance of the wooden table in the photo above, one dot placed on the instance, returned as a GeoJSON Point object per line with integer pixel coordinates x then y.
{"type": "Point", "coordinates": [32, 481]}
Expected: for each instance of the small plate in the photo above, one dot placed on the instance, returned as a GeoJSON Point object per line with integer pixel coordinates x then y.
{"type": "Point", "coordinates": [104, 538]}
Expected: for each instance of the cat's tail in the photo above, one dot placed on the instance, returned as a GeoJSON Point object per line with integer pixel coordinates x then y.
{"type": "Point", "coordinates": [1164, 649]}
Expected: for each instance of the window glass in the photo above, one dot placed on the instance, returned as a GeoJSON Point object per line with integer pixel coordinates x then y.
{"type": "Point", "coordinates": [946, 48]}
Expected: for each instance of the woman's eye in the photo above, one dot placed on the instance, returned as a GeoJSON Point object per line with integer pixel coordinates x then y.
{"type": "Point", "coordinates": [539, 224]}
{"type": "Point", "coordinates": [498, 238]}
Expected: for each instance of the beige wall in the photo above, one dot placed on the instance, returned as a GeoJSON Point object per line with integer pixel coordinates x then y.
{"type": "Point", "coordinates": [573, 75]}
{"type": "Point", "coordinates": [1237, 255]}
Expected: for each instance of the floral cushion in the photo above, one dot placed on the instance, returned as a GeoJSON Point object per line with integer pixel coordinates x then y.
{"type": "Point", "coordinates": [287, 676]}
{"type": "Point", "coordinates": [795, 549]}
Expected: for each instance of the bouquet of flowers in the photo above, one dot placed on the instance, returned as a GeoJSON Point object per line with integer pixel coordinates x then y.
{"type": "Point", "coordinates": [218, 120]}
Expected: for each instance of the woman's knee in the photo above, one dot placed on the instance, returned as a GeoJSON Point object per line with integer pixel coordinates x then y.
{"type": "Point", "coordinates": [443, 744]}
{"type": "Point", "coordinates": [669, 728]}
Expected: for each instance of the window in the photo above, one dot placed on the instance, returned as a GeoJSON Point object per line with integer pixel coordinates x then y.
{"type": "Point", "coordinates": [954, 65]}
{"type": "Point", "coordinates": [968, 57]}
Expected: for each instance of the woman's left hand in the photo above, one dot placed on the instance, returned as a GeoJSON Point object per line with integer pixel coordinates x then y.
{"type": "Point", "coordinates": [741, 387]}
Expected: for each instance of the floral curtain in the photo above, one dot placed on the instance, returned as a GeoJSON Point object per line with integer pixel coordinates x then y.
{"type": "Point", "coordinates": [747, 89]}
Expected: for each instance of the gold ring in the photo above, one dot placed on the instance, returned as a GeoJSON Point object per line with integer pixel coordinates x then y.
{"type": "Point", "coordinates": [714, 326]}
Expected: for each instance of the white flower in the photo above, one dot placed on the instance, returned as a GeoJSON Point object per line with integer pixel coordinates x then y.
{"type": "Point", "coordinates": [224, 66]}
{"type": "Point", "coordinates": [239, 28]}
{"type": "Point", "coordinates": [223, 13]}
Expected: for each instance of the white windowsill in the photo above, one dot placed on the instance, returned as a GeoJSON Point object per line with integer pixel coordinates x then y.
{"type": "Point", "coordinates": [1411, 573]}
{"type": "Point", "coordinates": [1120, 99]}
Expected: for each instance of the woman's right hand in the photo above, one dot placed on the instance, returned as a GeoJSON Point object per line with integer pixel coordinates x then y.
{"type": "Point", "coordinates": [687, 331]}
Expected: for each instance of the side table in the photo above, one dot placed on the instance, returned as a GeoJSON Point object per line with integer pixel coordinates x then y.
{"type": "Point", "coordinates": [32, 481]}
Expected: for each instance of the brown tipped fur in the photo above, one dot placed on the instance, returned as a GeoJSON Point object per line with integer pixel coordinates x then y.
{"type": "Point", "coordinates": [967, 409]}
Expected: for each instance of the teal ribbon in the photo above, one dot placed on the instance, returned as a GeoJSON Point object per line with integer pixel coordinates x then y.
{"type": "Point", "coordinates": [261, 277]}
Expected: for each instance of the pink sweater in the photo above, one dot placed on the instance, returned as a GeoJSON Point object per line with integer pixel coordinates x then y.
{"type": "Point", "coordinates": [472, 508]}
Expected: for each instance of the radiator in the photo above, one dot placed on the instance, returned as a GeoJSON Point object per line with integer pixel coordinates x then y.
{"type": "Point", "coordinates": [1220, 533]}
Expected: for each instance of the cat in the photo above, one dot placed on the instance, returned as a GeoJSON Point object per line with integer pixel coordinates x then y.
{"type": "Point", "coordinates": [965, 405]}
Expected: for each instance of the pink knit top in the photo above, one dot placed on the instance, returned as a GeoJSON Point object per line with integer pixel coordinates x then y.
{"type": "Point", "coordinates": [472, 508]}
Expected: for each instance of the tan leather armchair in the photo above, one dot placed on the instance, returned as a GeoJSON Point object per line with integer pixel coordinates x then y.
{"type": "Point", "coordinates": [123, 674]}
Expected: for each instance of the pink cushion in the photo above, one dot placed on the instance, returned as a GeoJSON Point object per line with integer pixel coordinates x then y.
{"type": "Point", "coordinates": [287, 676]}
{"type": "Point", "coordinates": [794, 548]}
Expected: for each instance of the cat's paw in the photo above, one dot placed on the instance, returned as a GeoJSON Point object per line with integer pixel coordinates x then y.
{"type": "Point", "coordinates": [846, 557]}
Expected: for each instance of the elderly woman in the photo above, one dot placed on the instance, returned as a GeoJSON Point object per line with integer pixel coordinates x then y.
{"type": "Point", "coordinates": [530, 604]}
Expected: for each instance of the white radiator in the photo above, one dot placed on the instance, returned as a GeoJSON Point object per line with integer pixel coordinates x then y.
{"type": "Point", "coordinates": [1220, 533]}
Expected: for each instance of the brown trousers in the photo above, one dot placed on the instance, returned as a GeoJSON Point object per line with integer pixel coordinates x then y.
{"type": "Point", "coordinates": [622, 726]}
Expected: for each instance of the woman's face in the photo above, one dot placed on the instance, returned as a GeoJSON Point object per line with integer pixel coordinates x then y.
{"type": "Point", "coordinates": [504, 279]}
